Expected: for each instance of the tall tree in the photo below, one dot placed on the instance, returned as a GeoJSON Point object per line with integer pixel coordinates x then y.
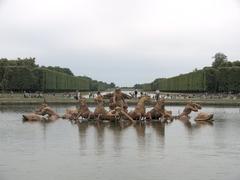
{"type": "Point", "coordinates": [219, 58]}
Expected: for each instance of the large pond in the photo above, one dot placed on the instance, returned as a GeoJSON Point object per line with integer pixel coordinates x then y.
{"type": "Point", "coordinates": [87, 151]}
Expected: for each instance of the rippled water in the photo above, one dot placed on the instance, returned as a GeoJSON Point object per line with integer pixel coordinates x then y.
{"type": "Point", "coordinates": [61, 150]}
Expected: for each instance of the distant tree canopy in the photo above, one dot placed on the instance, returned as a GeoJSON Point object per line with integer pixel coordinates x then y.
{"type": "Point", "coordinates": [27, 62]}
{"type": "Point", "coordinates": [112, 85]}
{"type": "Point", "coordinates": [223, 76]}
{"type": "Point", "coordinates": [24, 74]}
{"type": "Point", "coordinates": [30, 62]}
{"type": "Point", "coordinates": [59, 69]}
{"type": "Point", "coordinates": [98, 85]}
{"type": "Point", "coordinates": [219, 59]}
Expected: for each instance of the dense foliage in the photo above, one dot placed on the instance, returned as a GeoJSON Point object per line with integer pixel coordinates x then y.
{"type": "Point", "coordinates": [24, 74]}
{"type": "Point", "coordinates": [95, 85]}
{"type": "Point", "coordinates": [219, 58]}
{"type": "Point", "coordinates": [223, 76]}
{"type": "Point", "coordinates": [27, 62]}
{"type": "Point", "coordinates": [59, 69]}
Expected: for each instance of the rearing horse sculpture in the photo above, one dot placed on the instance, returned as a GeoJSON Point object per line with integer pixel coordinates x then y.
{"type": "Point", "coordinates": [83, 110]}
{"type": "Point", "coordinates": [159, 111]}
{"type": "Point", "coordinates": [140, 110]}
{"type": "Point", "coordinates": [102, 114]}
{"type": "Point", "coordinates": [99, 111]}
{"type": "Point", "coordinates": [190, 106]}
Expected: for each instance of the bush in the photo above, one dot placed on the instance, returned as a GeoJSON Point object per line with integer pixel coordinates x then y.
{"type": "Point", "coordinates": [24, 74]}
{"type": "Point", "coordinates": [18, 78]}
{"type": "Point", "coordinates": [56, 81]}
{"type": "Point", "coordinates": [222, 79]}
{"type": "Point", "coordinates": [229, 79]}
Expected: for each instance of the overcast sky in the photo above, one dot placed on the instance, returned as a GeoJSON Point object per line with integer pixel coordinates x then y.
{"type": "Point", "coordinates": [124, 41]}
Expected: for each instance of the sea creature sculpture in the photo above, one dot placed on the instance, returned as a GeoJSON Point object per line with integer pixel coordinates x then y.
{"type": "Point", "coordinates": [202, 116]}
{"type": "Point", "coordinates": [34, 117]}
{"type": "Point", "coordinates": [52, 115]}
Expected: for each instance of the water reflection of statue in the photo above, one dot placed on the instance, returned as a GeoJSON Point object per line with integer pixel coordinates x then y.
{"type": "Point", "coordinates": [82, 130]}
{"type": "Point", "coordinates": [100, 131]}
{"type": "Point", "coordinates": [159, 128]}
{"type": "Point", "coordinates": [198, 124]}
{"type": "Point", "coordinates": [140, 129]}
{"type": "Point", "coordinates": [117, 138]}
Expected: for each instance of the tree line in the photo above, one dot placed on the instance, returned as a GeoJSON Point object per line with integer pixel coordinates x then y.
{"type": "Point", "coordinates": [222, 76]}
{"type": "Point", "coordinates": [25, 74]}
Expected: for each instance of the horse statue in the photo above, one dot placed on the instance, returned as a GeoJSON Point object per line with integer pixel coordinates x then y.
{"type": "Point", "coordinates": [99, 111]}
{"type": "Point", "coordinates": [190, 107]}
{"type": "Point", "coordinates": [70, 113]}
{"type": "Point", "coordinates": [83, 110]}
{"type": "Point", "coordinates": [140, 110]}
{"type": "Point", "coordinates": [158, 111]}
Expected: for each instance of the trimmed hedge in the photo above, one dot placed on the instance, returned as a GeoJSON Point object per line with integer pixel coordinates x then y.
{"type": "Point", "coordinates": [194, 81]}
{"type": "Point", "coordinates": [223, 79]}
{"type": "Point", "coordinates": [229, 79]}
{"type": "Point", "coordinates": [40, 79]}
{"type": "Point", "coordinates": [18, 78]}
{"type": "Point", "coordinates": [57, 81]}
{"type": "Point", "coordinates": [24, 74]}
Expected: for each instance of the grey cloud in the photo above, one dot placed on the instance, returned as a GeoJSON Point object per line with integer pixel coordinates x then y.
{"type": "Point", "coordinates": [128, 41]}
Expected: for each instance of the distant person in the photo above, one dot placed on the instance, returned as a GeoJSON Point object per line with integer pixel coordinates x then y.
{"type": "Point", "coordinates": [11, 92]}
{"type": "Point", "coordinates": [157, 94]}
{"type": "Point", "coordinates": [131, 94]}
{"type": "Point", "coordinates": [78, 95]}
{"type": "Point", "coordinates": [135, 93]}
{"type": "Point", "coordinates": [90, 95]}
{"type": "Point", "coordinates": [99, 94]}
{"type": "Point", "coordinates": [25, 95]}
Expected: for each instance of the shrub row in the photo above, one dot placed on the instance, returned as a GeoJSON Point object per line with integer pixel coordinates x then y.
{"type": "Point", "coordinates": [194, 81]}
{"type": "Point", "coordinates": [17, 78]}
{"type": "Point", "coordinates": [41, 79]}
{"type": "Point", "coordinates": [223, 79]}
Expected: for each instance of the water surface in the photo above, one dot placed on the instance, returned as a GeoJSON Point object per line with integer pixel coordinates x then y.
{"type": "Point", "coordinates": [61, 150]}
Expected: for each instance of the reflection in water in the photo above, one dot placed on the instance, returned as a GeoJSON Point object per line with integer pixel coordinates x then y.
{"type": "Point", "coordinates": [82, 130]}
{"type": "Point", "coordinates": [144, 139]}
{"type": "Point", "coordinates": [44, 127]}
{"type": "Point", "coordinates": [159, 129]}
{"type": "Point", "coordinates": [116, 130]}
{"type": "Point", "coordinates": [198, 124]}
{"type": "Point", "coordinates": [89, 150]}
{"type": "Point", "coordinates": [99, 138]}
{"type": "Point", "coordinates": [140, 129]}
